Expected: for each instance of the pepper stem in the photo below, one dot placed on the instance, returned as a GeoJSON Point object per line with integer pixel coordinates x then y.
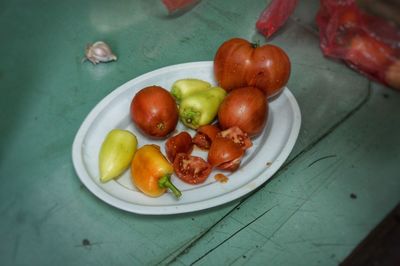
{"type": "Point", "coordinates": [165, 182]}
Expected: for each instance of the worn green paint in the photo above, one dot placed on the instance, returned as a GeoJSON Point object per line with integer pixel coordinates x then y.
{"type": "Point", "coordinates": [303, 214]}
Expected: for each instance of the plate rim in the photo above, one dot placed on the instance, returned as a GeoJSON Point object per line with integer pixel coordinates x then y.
{"type": "Point", "coordinates": [77, 157]}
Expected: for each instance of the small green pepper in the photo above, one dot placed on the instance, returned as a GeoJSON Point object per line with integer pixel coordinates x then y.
{"type": "Point", "coordinates": [201, 108]}
{"type": "Point", "coordinates": [182, 88]}
{"type": "Point", "coordinates": [116, 153]}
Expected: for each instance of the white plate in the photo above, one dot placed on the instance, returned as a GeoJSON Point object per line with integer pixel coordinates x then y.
{"type": "Point", "coordinates": [270, 149]}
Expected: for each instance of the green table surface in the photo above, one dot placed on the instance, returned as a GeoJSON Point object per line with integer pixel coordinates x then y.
{"type": "Point", "coordinates": [339, 182]}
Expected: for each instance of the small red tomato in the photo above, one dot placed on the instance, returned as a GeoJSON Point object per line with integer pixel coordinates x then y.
{"type": "Point", "coordinates": [246, 108]}
{"type": "Point", "coordinates": [191, 169]}
{"type": "Point", "coordinates": [237, 136]}
{"type": "Point", "coordinates": [225, 154]}
{"type": "Point", "coordinates": [180, 143]}
{"type": "Point", "coordinates": [205, 135]}
{"type": "Point", "coordinates": [154, 111]}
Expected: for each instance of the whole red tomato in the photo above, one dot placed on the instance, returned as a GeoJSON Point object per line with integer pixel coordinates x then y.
{"type": "Point", "coordinates": [246, 108]}
{"type": "Point", "coordinates": [239, 63]}
{"type": "Point", "coordinates": [154, 111]}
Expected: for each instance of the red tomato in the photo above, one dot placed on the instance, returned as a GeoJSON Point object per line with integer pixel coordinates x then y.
{"type": "Point", "coordinates": [225, 154]}
{"type": "Point", "coordinates": [191, 169]}
{"type": "Point", "coordinates": [239, 63]}
{"type": "Point", "coordinates": [205, 135]}
{"type": "Point", "coordinates": [246, 108]}
{"type": "Point", "coordinates": [231, 165]}
{"type": "Point", "coordinates": [180, 143]}
{"type": "Point", "coordinates": [237, 136]}
{"type": "Point", "coordinates": [154, 111]}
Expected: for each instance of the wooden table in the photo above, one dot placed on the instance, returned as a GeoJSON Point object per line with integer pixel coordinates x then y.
{"type": "Point", "coordinates": [339, 182]}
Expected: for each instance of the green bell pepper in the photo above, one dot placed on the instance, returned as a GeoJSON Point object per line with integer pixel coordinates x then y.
{"type": "Point", "coordinates": [184, 87]}
{"type": "Point", "coordinates": [201, 108]}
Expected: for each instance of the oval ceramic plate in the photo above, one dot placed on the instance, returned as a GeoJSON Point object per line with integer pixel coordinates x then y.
{"type": "Point", "coordinates": [269, 151]}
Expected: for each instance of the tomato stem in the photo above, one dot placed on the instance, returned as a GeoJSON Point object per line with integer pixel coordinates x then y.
{"type": "Point", "coordinates": [165, 182]}
{"type": "Point", "coordinates": [160, 126]}
{"type": "Point", "coordinates": [255, 44]}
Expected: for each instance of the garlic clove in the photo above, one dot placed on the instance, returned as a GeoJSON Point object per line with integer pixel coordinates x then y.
{"type": "Point", "coordinates": [99, 52]}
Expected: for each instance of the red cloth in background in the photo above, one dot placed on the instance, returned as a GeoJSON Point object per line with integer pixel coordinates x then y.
{"type": "Point", "coordinates": [274, 16]}
{"type": "Point", "coordinates": [367, 43]}
{"type": "Point", "coordinates": [174, 5]}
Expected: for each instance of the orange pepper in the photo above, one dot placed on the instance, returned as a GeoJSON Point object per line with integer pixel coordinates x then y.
{"type": "Point", "coordinates": [151, 172]}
